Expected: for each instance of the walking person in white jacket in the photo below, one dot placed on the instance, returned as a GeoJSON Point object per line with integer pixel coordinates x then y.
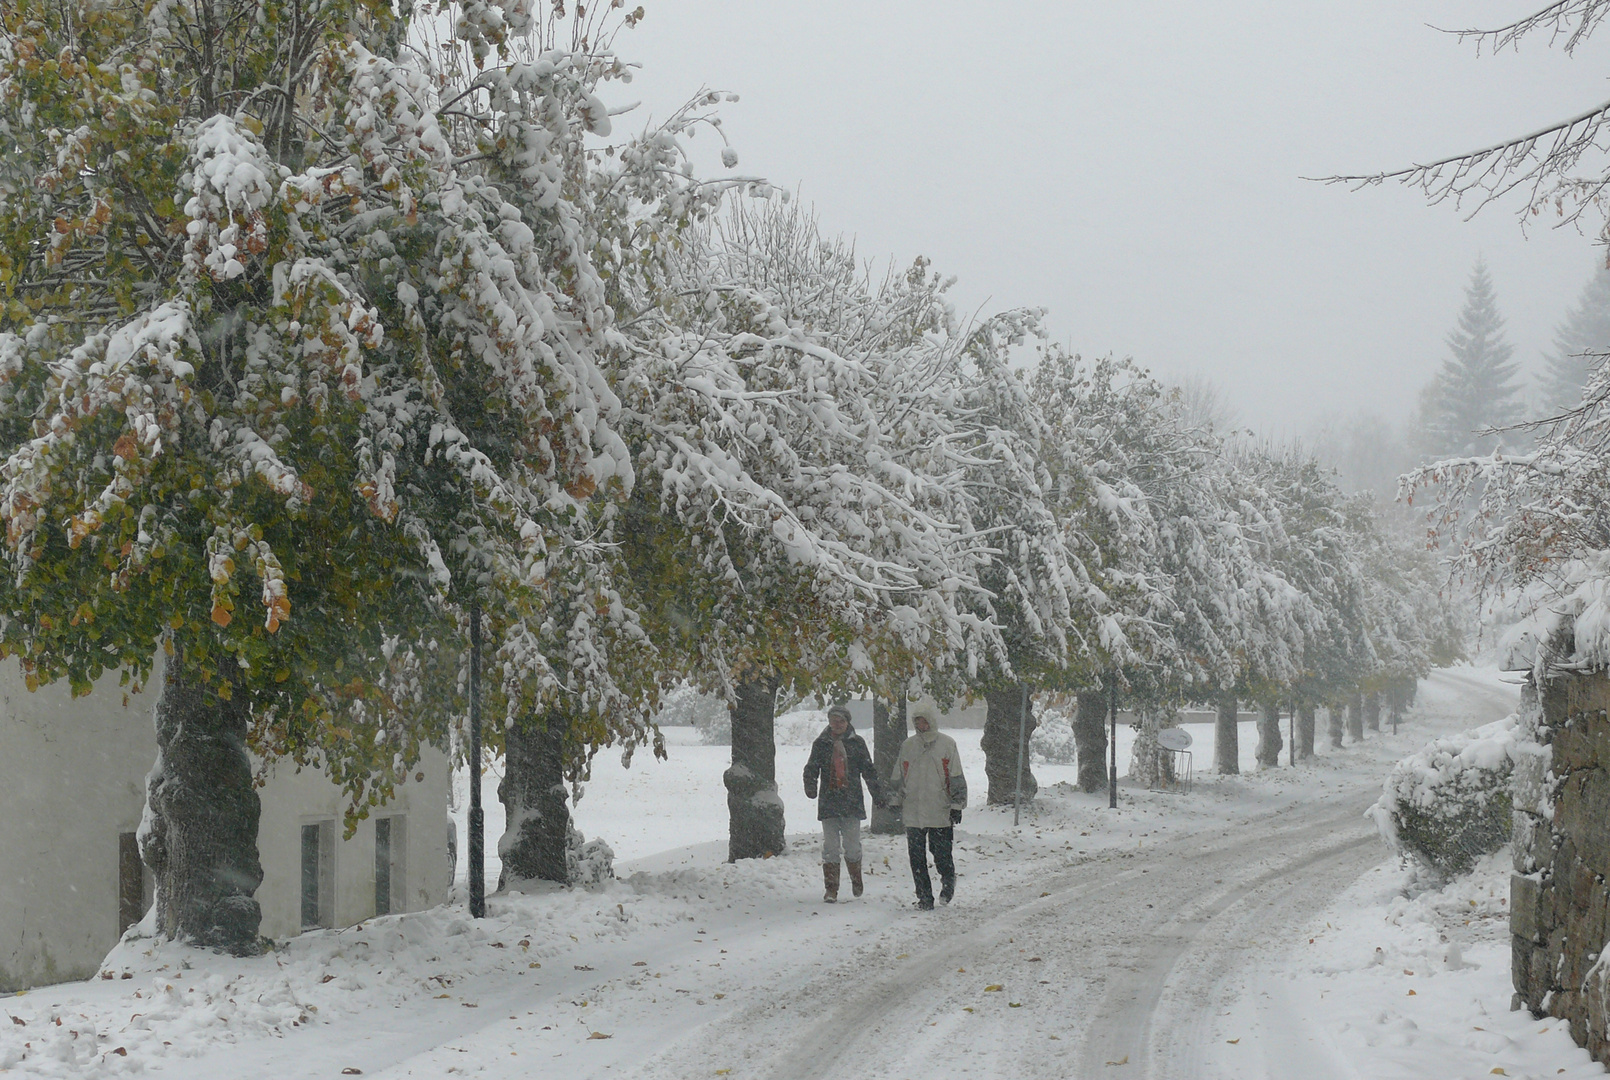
{"type": "Point", "coordinates": [931, 792]}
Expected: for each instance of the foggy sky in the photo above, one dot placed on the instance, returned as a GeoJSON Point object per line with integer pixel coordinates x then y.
{"type": "Point", "coordinates": [1136, 169]}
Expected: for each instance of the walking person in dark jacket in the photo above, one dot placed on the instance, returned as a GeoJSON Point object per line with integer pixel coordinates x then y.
{"type": "Point", "coordinates": [839, 762]}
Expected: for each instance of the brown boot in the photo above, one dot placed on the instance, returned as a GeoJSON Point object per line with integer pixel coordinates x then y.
{"type": "Point", "coordinates": [855, 878]}
{"type": "Point", "coordinates": [830, 881]}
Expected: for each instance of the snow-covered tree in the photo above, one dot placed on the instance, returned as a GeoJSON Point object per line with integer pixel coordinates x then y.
{"type": "Point", "coordinates": [267, 317]}
{"type": "Point", "coordinates": [788, 526]}
{"type": "Point", "coordinates": [1581, 343]}
{"type": "Point", "coordinates": [1475, 389]}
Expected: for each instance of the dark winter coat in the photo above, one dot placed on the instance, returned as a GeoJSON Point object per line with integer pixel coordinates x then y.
{"type": "Point", "coordinates": [843, 801]}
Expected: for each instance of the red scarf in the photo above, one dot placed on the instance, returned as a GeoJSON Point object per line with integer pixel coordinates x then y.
{"type": "Point", "coordinates": [840, 765]}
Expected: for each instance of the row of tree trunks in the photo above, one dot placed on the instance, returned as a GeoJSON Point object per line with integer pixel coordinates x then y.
{"type": "Point", "coordinates": [1090, 740]}
{"type": "Point", "coordinates": [888, 735]}
{"type": "Point", "coordinates": [755, 810]}
{"type": "Point", "coordinates": [537, 834]}
{"type": "Point", "coordinates": [199, 836]}
{"type": "Point", "coordinates": [1227, 736]}
{"type": "Point", "coordinates": [1004, 722]}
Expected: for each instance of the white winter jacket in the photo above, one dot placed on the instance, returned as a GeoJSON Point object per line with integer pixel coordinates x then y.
{"type": "Point", "coordinates": [928, 782]}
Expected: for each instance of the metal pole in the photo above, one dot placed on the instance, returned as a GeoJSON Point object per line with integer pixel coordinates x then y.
{"type": "Point", "coordinates": [1112, 748]}
{"type": "Point", "coordinates": [1291, 727]}
{"type": "Point", "coordinates": [1022, 748]}
{"type": "Point", "coordinates": [477, 816]}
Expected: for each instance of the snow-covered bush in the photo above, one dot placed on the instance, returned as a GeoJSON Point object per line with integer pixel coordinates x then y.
{"type": "Point", "coordinates": [1449, 803]}
{"type": "Point", "coordinates": [587, 862]}
{"type": "Point", "coordinates": [1052, 740]}
{"type": "Point", "coordinates": [687, 707]}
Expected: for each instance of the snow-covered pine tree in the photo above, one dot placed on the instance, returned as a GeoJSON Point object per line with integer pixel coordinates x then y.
{"type": "Point", "coordinates": [1581, 343]}
{"type": "Point", "coordinates": [1475, 389]}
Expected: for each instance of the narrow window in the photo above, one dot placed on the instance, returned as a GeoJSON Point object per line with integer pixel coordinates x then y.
{"type": "Point", "coordinates": [318, 874]}
{"type": "Point", "coordinates": [391, 877]}
{"type": "Point", "coordinates": [133, 890]}
{"type": "Point", "coordinates": [383, 866]}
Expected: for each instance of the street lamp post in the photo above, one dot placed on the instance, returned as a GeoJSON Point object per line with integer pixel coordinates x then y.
{"type": "Point", "coordinates": [1022, 749]}
{"type": "Point", "coordinates": [1112, 748]}
{"type": "Point", "coordinates": [477, 816]}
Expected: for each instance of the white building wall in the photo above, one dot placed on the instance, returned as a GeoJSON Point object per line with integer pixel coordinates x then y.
{"type": "Point", "coordinates": [293, 799]}
{"type": "Point", "coordinates": [72, 779]}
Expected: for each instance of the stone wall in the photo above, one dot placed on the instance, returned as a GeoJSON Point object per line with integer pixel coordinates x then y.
{"type": "Point", "coordinates": [1559, 899]}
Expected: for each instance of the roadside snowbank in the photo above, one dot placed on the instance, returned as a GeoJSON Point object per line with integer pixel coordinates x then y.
{"type": "Point", "coordinates": [1396, 980]}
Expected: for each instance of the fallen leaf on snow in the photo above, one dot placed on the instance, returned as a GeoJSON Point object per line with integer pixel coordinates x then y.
{"type": "Point", "coordinates": [640, 963]}
{"type": "Point", "coordinates": [1495, 1072]}
{"type": "Point", "coordinates": [19, 1021]}
{"type": "Point", "coordinates": [350, 1071]}
{"type": "Point", "coordinates": [1121, 1061]}
{"type": "Point", "coordinates": [1034, 960]}
{"type": "Point", "coordinates": [1232, 1042]}
{"type": "Point", "coordinates": [992, 987]}
{"type": "Point", "coordinates": [1014, 1004]}
{"type": "Point", "coordinates": [600, 1035]}
{"type": "Point", "coordinates": [1411, 993]}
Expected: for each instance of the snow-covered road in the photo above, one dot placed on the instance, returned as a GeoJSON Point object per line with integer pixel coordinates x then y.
{"type": "Point", "coordinates": [1165, 938]}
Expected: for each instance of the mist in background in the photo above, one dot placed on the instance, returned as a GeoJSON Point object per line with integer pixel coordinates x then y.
{"type": "Point", "coordinates": [1137, 170]}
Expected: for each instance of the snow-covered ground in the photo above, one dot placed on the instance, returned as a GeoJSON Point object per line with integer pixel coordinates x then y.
{"type": "Point", "coordinates": [1151, 935]}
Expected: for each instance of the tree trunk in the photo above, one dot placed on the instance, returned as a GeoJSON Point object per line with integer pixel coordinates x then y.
{"type": "Point", "coordinates": [754, 808]}
{"type": "Point", "coordinates": [1269, 740]}
{"type": "Point", "coordinates": [1149, 764]}
{"type": "Point", "coordinates": [1372, 711]}
{"type": "Point", "coordinates": [1090, 740]}
{"type": "Point", "coordinates": [1395, 696]}
{"type": "Point", "coordinates": [532, 792]}
{"type": "Point", "coordinates": [888, 735]}
{"type": "Point", "coordinates": [199, 836]}
{"type": "Point", "coordinates": [1334, 726]}
{"type": "Point", "coordinates": [1355, 718]}
{"type": "Point", "coordinates": [1227, 736]}
{"type": "Point", "coordinates": [1000, 745]}
{"type": "Point", "coordinates": [1305, 730]}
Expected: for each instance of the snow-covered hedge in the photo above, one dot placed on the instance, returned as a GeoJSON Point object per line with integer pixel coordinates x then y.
{"type": "Point", "coordinates": [587, 862]}
{"type": "Point", "coordinates": [1052, 741]}
{"type": "Point", "coordinates": [1448, 804]}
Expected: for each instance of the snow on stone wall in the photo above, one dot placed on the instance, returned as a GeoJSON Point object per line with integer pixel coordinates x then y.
{"type": "Point", "coordinates": [1559, 897]}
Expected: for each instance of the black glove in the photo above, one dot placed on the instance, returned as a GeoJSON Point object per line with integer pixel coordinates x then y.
{"type": "Point", "coordinates": [955, 817]}
{"type": "Point", "coordinates": [810, 791]}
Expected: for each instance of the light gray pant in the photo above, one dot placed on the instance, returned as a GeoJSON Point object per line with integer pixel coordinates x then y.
{"type": "Point", "coordinates": [841, 833]}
